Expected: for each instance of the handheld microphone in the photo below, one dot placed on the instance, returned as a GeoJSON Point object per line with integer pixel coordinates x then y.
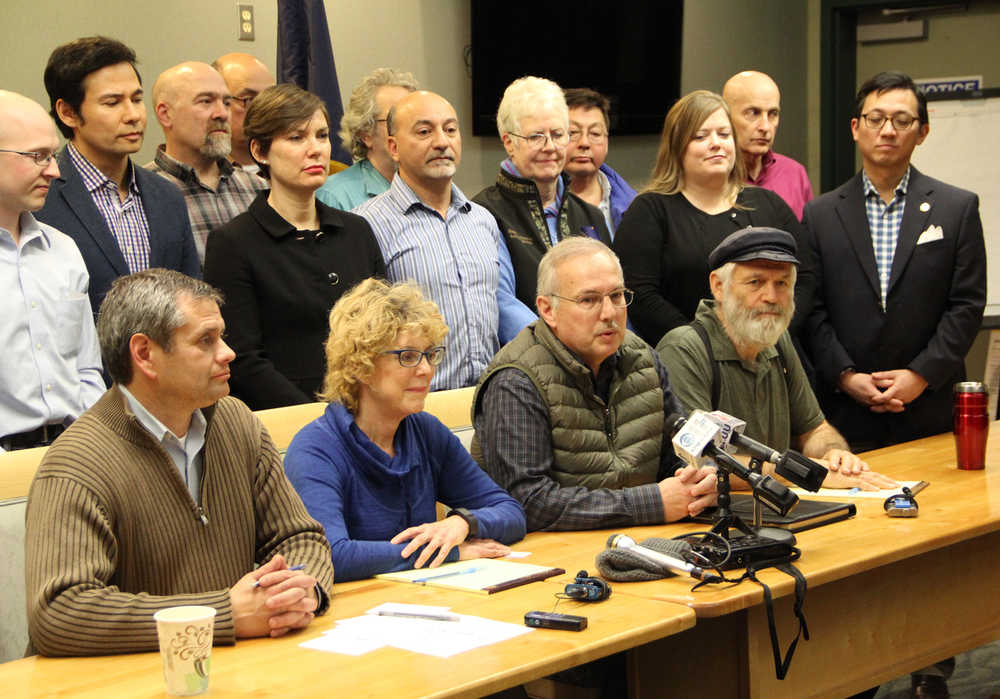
{"type": "Point", "coordinates": [796, 467]}
{"type": "Point", "coordinates": [664, 562]}
{"type": "Point", "coordinates": [696, 444]}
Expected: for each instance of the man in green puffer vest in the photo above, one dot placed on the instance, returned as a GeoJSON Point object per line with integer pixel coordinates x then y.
{"type": "Point", "coordinates": [570, 414]}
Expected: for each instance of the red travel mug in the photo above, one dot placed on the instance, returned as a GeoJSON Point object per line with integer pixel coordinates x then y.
{"type": "Point", "coordinates": [972, 424]}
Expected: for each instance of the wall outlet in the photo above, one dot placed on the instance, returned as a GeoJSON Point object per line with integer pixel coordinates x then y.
{"type": "Point", "coordinates": [246, 22]}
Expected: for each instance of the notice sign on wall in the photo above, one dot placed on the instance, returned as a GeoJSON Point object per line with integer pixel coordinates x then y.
{"type": "Point", "coordinates": [936, 85]}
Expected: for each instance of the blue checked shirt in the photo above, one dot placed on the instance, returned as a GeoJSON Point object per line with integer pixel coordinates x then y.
{"type": "Point", "coordinates": [126, 219]}
{"type": "Point", "coordinates": [462, 264]}
{"type": "Point", "coordinates": [884, 221]}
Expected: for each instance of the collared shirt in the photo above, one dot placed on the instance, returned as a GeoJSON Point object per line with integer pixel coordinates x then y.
{"type": "Point", "coordinates": [350, 188]}
{"type": "Point", "coordinates": [209, 208]}
{"type": "Point", "coordinates": [462, 263]}
{"type": "Point", "coordinates": [884, 221]}
{"type": "Point", "coordinates": [185, 452]}
{"type": "Point", "coordinates": [51, 370]}
{"type": "Point", "coordinates": [125, 219]}
{"type": "Point", "coordinates": [786, 178]}
{"type": "Point", "coordinates": [551, 211]}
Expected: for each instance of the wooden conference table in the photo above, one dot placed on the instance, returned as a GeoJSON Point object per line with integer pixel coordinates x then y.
{"type": "Point", "coordinates": [886, 596]}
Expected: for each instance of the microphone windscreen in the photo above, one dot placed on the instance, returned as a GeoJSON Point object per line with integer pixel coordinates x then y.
{"type": "Point", "coordinates": [671, 547]}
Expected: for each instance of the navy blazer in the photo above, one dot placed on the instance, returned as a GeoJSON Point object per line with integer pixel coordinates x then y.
{"type": "Point", "coordinates": [70, 208]}
{"type": "Point", "coordinates": [934, 304]}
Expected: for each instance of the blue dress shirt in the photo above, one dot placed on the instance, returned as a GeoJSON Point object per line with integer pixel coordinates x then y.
{"type": "Point", "coordinates": [51, 370]}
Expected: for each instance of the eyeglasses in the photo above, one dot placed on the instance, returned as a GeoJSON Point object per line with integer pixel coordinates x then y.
{"type": "Point", "coordinates": [901, 121]}
{"type": "Point", "coordinates": [537, 141]}
{"type": "Point", "coordinates": [41, 158]}
{"type": "Point", "coordinates": [410, 358]}
{"type": "Point", "coordinates": [594, 136]}
{"type": "Point", "coordinates": [592, 301]}
{"type": "Point", "coordinates": [244, 101]}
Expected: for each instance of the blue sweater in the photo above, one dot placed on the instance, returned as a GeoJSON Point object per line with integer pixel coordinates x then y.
{"type": "Point", "coordinates": [363, 498]}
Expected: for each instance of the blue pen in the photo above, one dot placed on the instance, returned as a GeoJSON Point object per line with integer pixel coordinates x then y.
{"type": "Point", "coordinates": [447, 575]}
{"type": "Point", "coordinates": [854, 490]}
{"type": "Point", "coordinates": [297, 566]}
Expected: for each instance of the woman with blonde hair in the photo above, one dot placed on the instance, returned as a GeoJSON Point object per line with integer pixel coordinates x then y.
{"type": "Point", "coordinates": [695, 198]}
{"type": "Point", "coordinates": [372, 466]}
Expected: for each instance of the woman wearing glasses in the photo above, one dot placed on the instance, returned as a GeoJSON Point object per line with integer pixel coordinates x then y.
{"type": "Point", "coordinates": [285, 262]}
{"type": "Point", "coordinates": [372, 466]}
{"type": "Point", "coordinates": [531, 200]}
{"type": "Point", "coordinates": [695, 198]}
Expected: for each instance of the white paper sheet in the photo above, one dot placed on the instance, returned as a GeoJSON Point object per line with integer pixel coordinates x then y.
{"type": "Point", "coordinates": [853, 493]}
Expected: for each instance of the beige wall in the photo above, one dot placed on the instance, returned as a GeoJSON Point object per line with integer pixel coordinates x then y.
{"type": "Point", "coordinates": [425, 36]}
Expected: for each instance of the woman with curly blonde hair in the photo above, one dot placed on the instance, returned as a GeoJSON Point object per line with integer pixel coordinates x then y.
{"type": "Point", "coordinates": [372, 466]}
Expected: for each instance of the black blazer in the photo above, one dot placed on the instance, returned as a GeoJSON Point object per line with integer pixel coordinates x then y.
{"type": "Point", "coordinates": [280, 285]}
{"type": "Point", "coordinates": [934, 305]}
{"type": "Point", "coordinates": [70, 208]}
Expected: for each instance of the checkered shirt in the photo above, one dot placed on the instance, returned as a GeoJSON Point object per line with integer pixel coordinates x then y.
{"type": "Point", "coordinates": [884, 221]}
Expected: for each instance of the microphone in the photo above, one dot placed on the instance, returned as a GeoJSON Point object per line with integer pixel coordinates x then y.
{"type": "Point", "coordinates": [796, 467]}
{"type": "Point", "coordinates": [663, 561]}
{"type": "Point", "coordinates": [694, 442]}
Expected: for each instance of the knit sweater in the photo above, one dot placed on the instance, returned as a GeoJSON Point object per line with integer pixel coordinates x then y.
{"type": "Point", "coordinates": [363, 497]}
{"type": "Point", "coordinates": [113, 534]}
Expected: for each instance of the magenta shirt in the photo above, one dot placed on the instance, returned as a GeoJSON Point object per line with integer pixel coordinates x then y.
{"type": "Point", "coordinates": [786, 178]}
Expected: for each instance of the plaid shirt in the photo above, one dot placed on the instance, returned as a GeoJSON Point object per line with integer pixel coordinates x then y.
{"type": "Point", "coordinates": [884, 221]}
{"type": "Point", "coordinates": [126, 219]}
{"type": "Point", "coordinates": [516, 436]}
{"type": "Point", "coordinates": [207, 208]}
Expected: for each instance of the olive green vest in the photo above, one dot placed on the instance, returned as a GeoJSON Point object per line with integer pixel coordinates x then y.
{"type": "Point", "coordinates": [595, 445]}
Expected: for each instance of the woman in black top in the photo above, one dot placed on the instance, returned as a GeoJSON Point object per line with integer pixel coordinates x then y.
{"type": "Point", "coordinates": [695, 198]}
{"type": "Point", "coordinates": [283, 263]}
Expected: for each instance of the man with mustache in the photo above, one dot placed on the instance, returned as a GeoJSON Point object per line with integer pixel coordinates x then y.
{"type": "Point", "coordinates": [737, 356]}
{"type": "Point", "coordinates": [123, 218]}
{"type": "Point", "coordinates": [192, 104]}
{"type": "Point", "coordinates": [570, 416]}
{"type": "Point", "coordinates": [431, 233]}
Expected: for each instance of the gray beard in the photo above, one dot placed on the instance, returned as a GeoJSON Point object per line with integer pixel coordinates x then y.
{"type": "Point", "coordinates": [216, 146]}
{"type": "Point", "coordinates": [747, 328]}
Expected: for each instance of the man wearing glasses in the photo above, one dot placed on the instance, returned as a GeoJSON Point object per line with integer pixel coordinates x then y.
{"type": "Point", "coordinates": [590, 178]}
{"type": "Point", "coordinates": [755, 104]}
{"type": "Point", "coordinates": [530, 200]}
{"type": "Point", "coordinates": [429, 232]}
{"type": "Point", "coordinates": [192, 104]}
{"type": "Point", "coordinates": [51, 371]}
{"type": "Point", "coordinates": [570, 415]}
{"type": "Point", "coordinates": [901, 279]}
{"type": "Point", "coordinates": [246, 77]}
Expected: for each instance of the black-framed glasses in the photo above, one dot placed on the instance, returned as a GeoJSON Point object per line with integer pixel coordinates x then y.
{"type": "Point", "coordinates": [595, 136]}
{"type": "Point", "coordinates": [537, 141]}
{"type": "Point", "coordinates": [41, 158]}
{"type": "Point", "coordinates": [410, 358]}
{"type": "Point", "coordinates": [244, 101]}
{"type": "Point", "coordinates": [901, 121]}
{"type": "Point", "coordinates": [592, 301]}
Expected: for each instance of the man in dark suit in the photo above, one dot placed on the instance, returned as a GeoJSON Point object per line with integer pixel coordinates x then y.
{"type": "Point", "coordinates": [123, 218]}
{"type": "Point", "coordinates": [901, 270]}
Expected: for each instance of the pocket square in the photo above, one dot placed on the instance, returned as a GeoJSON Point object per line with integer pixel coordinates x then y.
{"type": "Point", "coordinates": [930, 235]}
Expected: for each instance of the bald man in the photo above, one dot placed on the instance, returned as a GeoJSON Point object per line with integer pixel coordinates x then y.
{"type": "Point", "coordinates": [51, 370]}
{"type": "Point", "coordinates": [430, 232]}
{"type": "Point", "coordinates": [755, 103]}
{"type": "Point", "coordinates": [246, 77]}
{"type": "Point", "coordinates": [192, 104]}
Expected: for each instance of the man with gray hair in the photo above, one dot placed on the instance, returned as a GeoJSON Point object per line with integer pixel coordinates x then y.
{"type": "Point", "coordinates": [51, 370]}
{"type": "Point", "coordinates": [166, 492]}
{"type": "Point", "coordinates": [363, 131]}
{"type": "Point", "coordinates": [571, 415]}
{"type": "Point", "coordinates": [737, 356]}
{"type": "Point", "coordinates": [191, 102]}
{"type": "Point", "coordinates": [531, 200]}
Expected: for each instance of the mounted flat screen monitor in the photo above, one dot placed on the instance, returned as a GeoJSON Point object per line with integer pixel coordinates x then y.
{"type": "Point", "coordinates": [629, 50]}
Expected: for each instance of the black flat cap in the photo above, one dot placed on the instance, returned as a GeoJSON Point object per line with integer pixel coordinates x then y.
{"type": "Point", "coordinates": [755, 243]}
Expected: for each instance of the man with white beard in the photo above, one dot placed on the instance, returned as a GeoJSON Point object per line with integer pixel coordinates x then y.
{"type": "Point", "coordinates": [191, 102]}
{"type": "Point", "coordinates": [737, 356]}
